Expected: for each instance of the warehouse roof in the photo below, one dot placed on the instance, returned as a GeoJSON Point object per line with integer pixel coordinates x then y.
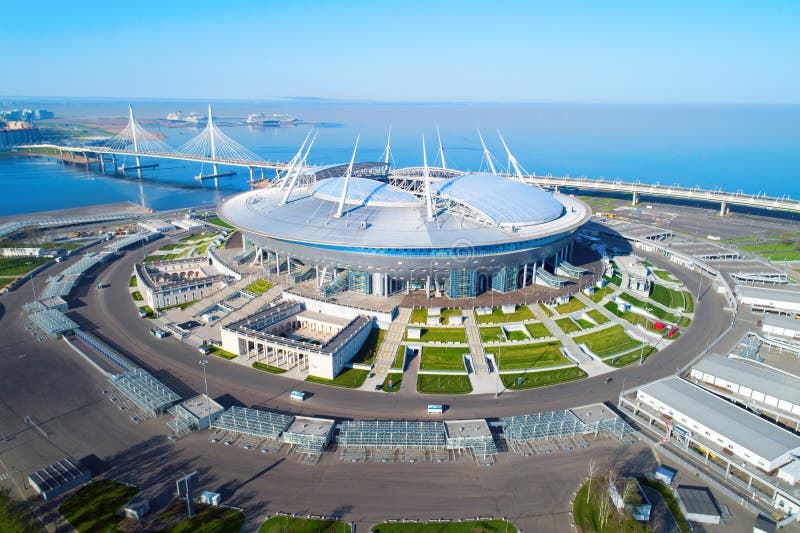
{"type": "Point", "coordinates": [754, 376]}
{"type": "Point", "coordinates": [784, 295]}
{"type": "Point", "coordinates": [748, 430]}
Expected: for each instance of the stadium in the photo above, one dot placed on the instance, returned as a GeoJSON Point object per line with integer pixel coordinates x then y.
{"type": "Point", "coordinates": [361, 228]}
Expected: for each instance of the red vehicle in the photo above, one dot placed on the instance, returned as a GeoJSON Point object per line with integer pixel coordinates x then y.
{"type": "Point", "coordinates": [659, 326]}
{"type": "Point", "coordinates": [673, 330]}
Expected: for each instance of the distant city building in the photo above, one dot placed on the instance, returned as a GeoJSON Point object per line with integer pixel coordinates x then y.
{"type": "Point", "coordinates": [42, 114]}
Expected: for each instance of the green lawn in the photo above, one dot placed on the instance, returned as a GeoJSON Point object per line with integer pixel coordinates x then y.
{"type": "Point", "coordinates": [782, 256]}
{"type": "Point", "coordinates": [567, 325]}
{"type": "Point", "coordinates": [770, 247]}
{"type": "Point", "coordinates": [492, 334]}
{"type": "Point", "coordinates": [219, 222]}
{"type": "Point", "coordinates": [369, 350]}
{"type": "Point", "coordinates": [350, 378]}
{"type": "Point", "coordinates": [18, 266]}
{"type": "Point", "coordinates": [201, 237]}
{"type": "Point", "coordinates": [656, 311]}
{"type": "Point", "coordinates": [498, 317]}
{"type": "Point", "coordinates": [219, 352]}
{"type": "Point", "coordinates": [608, 341]}
{"type": "Point", "coordinates": [288, 524]}
{"type": "Point", "coordinates": [538, 330]}
{"type": "Point", "coordinates": [132, 282]}
{"type": "Point", "coordinates": [443, 384]}
{"type": "Point", "coordinates": [663, 274]}
{"type": "Point", "coordinates": [584, 324]}
{"type": "Point", "coordinates": [435, 358]}
{"type": "Point", "coordinates": [587, 514]}
{"type": "Point", "coordinates": [268, 368]}
{"type": "Point", "coordinates": [631, 357]}
{"type": "Point", "coordinates": [482, 526]}
{"type": "Point", "coordinates": [149, 310]}
{"type": "Point", "coordinates": [447, 313]}
{"type": "Point", "coordinates": [399, 357]}
{"type": "Point", "coordinates": [669, 499]}
{"type": "Point", "coordinates": [419, 315]}
{"type": "Point", "coordinates": [517, 336]}
{"type": "Point", "coordinates": [629, 316]}
{"type": "Point", "coordinates": [15, 516]}
{"type": "Point", "coordinates": [531, 380]}
{"type": "Point", "coordinates": [689, 301]}
{"type": "Point", "coordinates": [667, 297]}
{"type": "Point", "coordinates": [546, 309]}
{"type": "Point", "coordinates": [137, 296]}
{"type": "Point", "coordinates": [259, 286]}
{"type": "Point", "coordinates": [66, 246]}
{"type": "Point", "coordinates": [208, 519]}
{"type": "Point", "coordinates": [94, 506]}
{"type": "Point", "coordinates": [522, 356]}
{"type": "Point", "coordinates": [182, 305]}
{"type": "Point", "coordinates": [599, 294]}
{"type": "Point", "coordinates": [170, 247]}
{"type": "Point", "coordinates": [597, 316]}
{"type": "Point", "coordinates": [572, 305]}
{"type": "Point", "coordinates": [454, 334]}
{"type": "Point", "coordinates": [397, 381]}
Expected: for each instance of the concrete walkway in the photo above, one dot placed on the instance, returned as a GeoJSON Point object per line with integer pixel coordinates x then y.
{"type": "Point", "coordinates": [388, 349]}
{"type": "Point", "coordinates": [475, 343]}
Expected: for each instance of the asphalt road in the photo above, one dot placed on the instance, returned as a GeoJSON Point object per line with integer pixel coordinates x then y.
{"type": "Point", "coordinates": [64, 394]}
{"type": "Point", "coordinates": [110, 313]}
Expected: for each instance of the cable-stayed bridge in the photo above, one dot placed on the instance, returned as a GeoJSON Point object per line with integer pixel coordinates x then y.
{"type": "Point", "coordinates": [211, 146]}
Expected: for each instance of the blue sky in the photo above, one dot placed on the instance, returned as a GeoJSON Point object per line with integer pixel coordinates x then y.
{"type": "Point", "coordinates": [569, 51]}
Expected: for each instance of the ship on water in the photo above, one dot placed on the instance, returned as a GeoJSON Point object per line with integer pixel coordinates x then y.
{"type": "Point", "coordinates": [274, 119]}
{"type": "Point", "coordinates": [192, 118]}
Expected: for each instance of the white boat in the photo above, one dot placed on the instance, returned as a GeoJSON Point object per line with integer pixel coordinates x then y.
{"type": "Point", "coordinates": [274, 119]}
{"type": "Point", "coordinates": [186, 117]}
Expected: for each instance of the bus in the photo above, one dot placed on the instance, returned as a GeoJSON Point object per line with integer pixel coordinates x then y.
{"type": "Point", "coordinates": [435, 409]}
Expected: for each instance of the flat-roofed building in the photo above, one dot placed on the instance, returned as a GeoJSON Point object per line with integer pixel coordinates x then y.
{"type": "Point", "coordinates": [59, 477]}
{"type": "Point", "coordinates": [786, 299]}
{"type": "Point", "coordinates": [783, 326]}
{"type": "Point", "coordinates": [758, 442]}
{"type": "Point", "coordinates": [751, 381]}
{"type": "Point", "coordinates": [698, 505]}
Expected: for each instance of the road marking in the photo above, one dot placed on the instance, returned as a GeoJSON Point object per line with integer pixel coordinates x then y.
{"type": "Point", "coordinates": [3, 477]}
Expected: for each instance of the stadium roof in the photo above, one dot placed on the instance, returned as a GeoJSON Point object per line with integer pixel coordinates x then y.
{"type": "Point", "coordinates": [501, 200]}
{"type": "Point", "coordinates": [363, 191]}
{"type": "Point", "coordinates": [748, 430]}
{"type": "Point", "coordinates": [753, 376]}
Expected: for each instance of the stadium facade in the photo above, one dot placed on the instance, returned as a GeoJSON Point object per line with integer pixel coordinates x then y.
{"type": "Point", "coordinates": [363, 229]}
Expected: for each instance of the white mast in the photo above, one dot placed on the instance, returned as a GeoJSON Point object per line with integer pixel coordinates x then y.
{"type": "Point", "coordinates": [210, 127]}
{"type": "Point", "coordinates": [426, 174]}
{"type": "Point", "coordinates": [487, 154]}
{"type": "Point", "coordinates": [297, 169]}
{"type": "Point", "coordinates": [441, 149]}
{"type": "Point", "coordinates": [133, 138]}
{"type": "Point", "coordinates": [511, 158]}
{"type": "Point", "coordinates": [340, 210]}
{"type": "Point", "coordinates": [294, 161]}
{"type": "Point", "coordinates": [388, 150]}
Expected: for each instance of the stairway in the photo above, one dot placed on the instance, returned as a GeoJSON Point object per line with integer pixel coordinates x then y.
{"type": "Point", "coordinates": [475, 343]}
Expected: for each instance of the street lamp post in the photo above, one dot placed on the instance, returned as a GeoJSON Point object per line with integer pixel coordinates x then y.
{"type": "Point", "coordinates": [203, 363]}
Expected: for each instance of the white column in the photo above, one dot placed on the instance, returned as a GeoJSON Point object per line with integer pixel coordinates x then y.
{"type": "Point", "coordinates": [524, 274]}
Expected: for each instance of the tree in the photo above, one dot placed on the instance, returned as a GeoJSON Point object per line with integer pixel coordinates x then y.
{"type": "Point", "coordinates": [13, 517]}
{"type": "Point", "coordinates": [592, 472]}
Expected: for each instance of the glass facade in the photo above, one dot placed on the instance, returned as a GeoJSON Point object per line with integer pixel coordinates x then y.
{"type": "Point", "coordinates": [360, 282]}
{"type": "Point", "coordinates": [462, 284]}
{"type": "Point", "coordinates": [505, 280]}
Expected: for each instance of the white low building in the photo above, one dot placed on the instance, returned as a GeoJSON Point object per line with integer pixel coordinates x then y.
{"type": "Point", "coordinates": [750, 381]}
{"type": "Point", "coordinates": [21, 252]}
{"type": "Point", "coordinates": [785, 300]}
{"type": "Point", "coordinates": [706, 416]}
{"type": "Point", "coordinates": [156, 225]}
{"type": "Point", "coordinates": [783, 326]}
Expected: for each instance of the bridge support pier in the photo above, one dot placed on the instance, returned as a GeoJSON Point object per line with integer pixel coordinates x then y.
{"type": "Point", "coordinates": [251, 174]}
{"type": "Point", "coordinates": [635, 200]}
{"type": "Point", "coordinates": [102, 164]}
{"type": "Point", "coordinates": [723, 208]}
{"type": "Point", "coordinates": [116, 167]}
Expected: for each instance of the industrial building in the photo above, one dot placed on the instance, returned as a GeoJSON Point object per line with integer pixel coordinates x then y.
{"type": "Point", "coordinates": [168, 283]}
{"type": "Point", "coordinates": [764, 298]}
{"type": "Point", "coordinates": [59, 477]}
{"type": "Point", "coordinates": [698, 505]}
{"type": "Point", "coordinates": [287, 336]}
{"type": "Point", "coordinates": [447, 232]}
{"type": "Point", "coordinates": [750, 381]}
{"type": "Point", "coordinates": [696, 413]}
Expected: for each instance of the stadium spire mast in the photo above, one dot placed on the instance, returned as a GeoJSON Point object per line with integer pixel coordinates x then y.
{"type": "Point", "coordinates": [346, 183]}
{"type": "Point", "coordinates": [294, 161]}
{"type": "Point", "coordinates": [427, 175]}
{"type": "Point", "coordinates": [511, 158]}
{"type": "Point", "coordinates": [298, 167]}
{"type": "Point", "coordinates": [487, 154]}
{"type": "Point", "coordinates": [441, 149]}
